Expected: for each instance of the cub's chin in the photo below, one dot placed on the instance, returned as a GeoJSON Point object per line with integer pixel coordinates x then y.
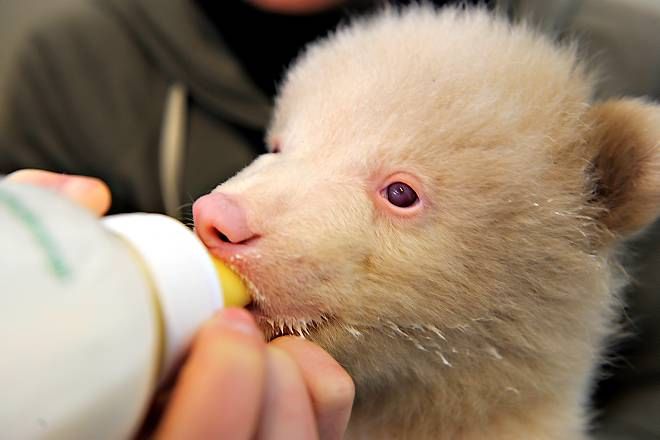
{"type": "Point", "coordinates": [290, 322]}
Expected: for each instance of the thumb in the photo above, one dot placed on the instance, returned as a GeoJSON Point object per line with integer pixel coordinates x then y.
{"type": "Point", "coordinates": [89, 192]}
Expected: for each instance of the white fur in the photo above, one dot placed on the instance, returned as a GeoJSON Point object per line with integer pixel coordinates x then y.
{"type": "Point", "coordinates": [486, 314]}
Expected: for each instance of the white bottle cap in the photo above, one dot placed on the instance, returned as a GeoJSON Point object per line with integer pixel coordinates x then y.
{"type": "Point", "coordinates": [183, 274]}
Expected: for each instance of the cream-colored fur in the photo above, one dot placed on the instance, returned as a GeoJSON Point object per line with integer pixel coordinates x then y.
{"type": "Point", "coordinates": [485, 314]}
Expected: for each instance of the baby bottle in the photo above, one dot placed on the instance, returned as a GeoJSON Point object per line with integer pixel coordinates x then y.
{"type": "Point", "coordinates": [94, 315]}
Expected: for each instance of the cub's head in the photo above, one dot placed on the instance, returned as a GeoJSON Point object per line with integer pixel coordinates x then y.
{"type": "Point", "coordinates": [439, 203]}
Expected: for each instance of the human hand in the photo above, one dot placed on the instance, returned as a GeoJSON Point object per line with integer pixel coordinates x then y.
{"type": "Point", "coordinates": [236, 386]}
{"type": "Point", "coordinates": [89, 192]}
{"type": "Point", "coordinates": [330, 387]}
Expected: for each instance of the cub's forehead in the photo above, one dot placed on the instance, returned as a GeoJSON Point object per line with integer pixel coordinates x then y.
{"type": "Point", "coordinates": [465, 76]}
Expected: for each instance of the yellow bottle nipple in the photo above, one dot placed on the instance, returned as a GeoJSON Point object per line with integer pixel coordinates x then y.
{"type": "Point", "coordinates": [233, 288]}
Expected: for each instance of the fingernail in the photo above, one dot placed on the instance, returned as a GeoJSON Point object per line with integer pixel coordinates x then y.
{"type": "Point", "coordinates": [78, 185]}
{"type": "Point", "coordinates": [236, 319]}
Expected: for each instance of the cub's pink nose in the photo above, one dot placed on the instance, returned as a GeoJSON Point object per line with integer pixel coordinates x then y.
{"type": "Point", "coordinates": [220, 221]}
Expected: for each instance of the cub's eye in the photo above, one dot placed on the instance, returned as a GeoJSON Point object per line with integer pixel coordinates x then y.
{"type": "Point", "coordinates": [401, 195]}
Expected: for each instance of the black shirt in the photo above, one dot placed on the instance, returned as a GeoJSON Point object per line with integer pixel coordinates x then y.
{"type": "Point", "coordinates": [266, 43]}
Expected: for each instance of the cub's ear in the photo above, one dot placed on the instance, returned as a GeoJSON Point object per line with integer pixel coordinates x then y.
{"type": "Point", "coordinates": [625, 145]}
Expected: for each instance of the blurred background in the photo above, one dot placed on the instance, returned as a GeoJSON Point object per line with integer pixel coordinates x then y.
{"type": "Point", "coordinates": [623, 34]}
{"type": "Point", "coordinates": [17, 18]}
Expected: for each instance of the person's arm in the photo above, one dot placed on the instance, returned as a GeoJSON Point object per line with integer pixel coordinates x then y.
{"type": "Point", "coordinates": [71, 107]}
{"type": "Point", "coordinates": [31, 129]}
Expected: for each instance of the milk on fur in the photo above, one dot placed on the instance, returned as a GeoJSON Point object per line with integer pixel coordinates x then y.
{"type": "Point", "coordinates": [485, 312]}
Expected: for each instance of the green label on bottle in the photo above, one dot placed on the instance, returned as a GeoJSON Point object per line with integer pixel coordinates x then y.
{"type": "Point", "coordinates": [56, 260]}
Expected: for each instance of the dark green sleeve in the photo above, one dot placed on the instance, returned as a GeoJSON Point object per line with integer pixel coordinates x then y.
{"type": "Point", "coordinates": [83, 98]}
{"type": "Point", "coordinates": [33, 128]}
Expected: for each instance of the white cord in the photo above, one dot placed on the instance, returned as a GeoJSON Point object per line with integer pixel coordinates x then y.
{"type": "Point", "coordinates": [172, 145]}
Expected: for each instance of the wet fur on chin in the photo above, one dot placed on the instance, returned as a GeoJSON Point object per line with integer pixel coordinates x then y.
{"type": "Point", "coordinates": [487, 315]}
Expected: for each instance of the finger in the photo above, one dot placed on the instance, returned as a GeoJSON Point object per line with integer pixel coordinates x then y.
{"type": "Point", "coordinates": [287, 410]}
{"type": "Point", "coordinates": [220, 388]}
{"type": "Point", "coordinates": [90, 192]}
{"type": "Point", "coordinates": [331, 388]}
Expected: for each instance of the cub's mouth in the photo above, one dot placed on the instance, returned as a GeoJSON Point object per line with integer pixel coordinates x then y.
{"type": "Point", "coordinates": [274, 325]}
{"type": "Point", "coordinates": [278, 318]}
